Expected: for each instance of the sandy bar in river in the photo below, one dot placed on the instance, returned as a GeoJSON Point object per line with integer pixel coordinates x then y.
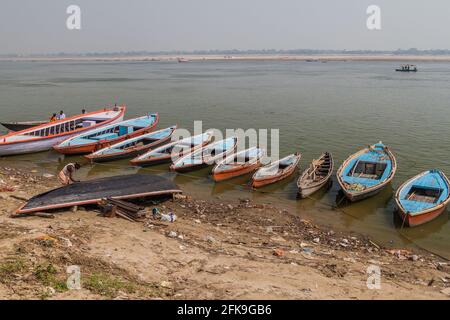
{"type": "Point", "coordinates": [241, 57]}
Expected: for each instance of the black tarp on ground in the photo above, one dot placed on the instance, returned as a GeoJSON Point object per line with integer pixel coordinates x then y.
{"type": "Point", "coordinates": [120, 187]}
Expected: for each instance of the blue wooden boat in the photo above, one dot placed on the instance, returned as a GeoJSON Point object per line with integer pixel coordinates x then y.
{"type": "Point", "coordinates": [423, 197]}
{"type": "Point", "coordinates": [103, 137]}
{"type": "Point", "coordinates": [133, 147]}
{"type": "Point", "coordinates": [366, 172]}
{"type": "Point", "coordinates": [206, 156]}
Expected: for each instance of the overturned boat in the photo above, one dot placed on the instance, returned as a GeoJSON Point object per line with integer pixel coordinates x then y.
{"type": "Point", "coordinates": [316, 176]}
{"type": "Point", "coordinates": [276, 171]}
{"type": "Point", "coordinates": [22, 125]}
{"type": "Point", "coordinates": [208, 155]}
{"type": "Point", "coordinates": [45, 136]}
{"type": "Point", "coordinates": [132, 147]}
{"type": "Point", "coordinates": [423, 197]}
{"type": "Point", "coordinates": [173, 150]}
{"type": "Point", "coordinates": [366, 172]}
{"type": "Point", "coordinates": [89, 192]}
{"type": "Point", "coordinates": [100, 138]}
{"type": "Point", "coordinates": [238, 164]}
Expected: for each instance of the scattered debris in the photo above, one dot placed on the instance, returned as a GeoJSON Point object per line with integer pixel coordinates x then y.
{"type": "Point", "coordinates": [278, 252]}
{"type": "Point", "coordinates": [172, 234]}
{"type": "Point", "coordinates": [127, 210]}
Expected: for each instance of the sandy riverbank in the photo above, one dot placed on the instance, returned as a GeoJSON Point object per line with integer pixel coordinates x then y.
{"type": "Point", "coordinates": [240, 57]}
{"type": "Point", "coordinates": [215, 249]}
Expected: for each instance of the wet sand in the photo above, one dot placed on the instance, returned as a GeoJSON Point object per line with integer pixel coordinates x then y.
{"type": "Point", "coordinates": [215, 249]}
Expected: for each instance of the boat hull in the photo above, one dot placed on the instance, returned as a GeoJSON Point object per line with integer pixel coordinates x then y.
{"type": "Point", "coordinates": [152, 161]}
{"type": "Point", "coordinates": [354, 197]}
{"type": "Point", "coordinates": [91, 191]}
{"type": "Point", "coordinates": [190, 167]}
{"type": "Point", "coordinates": [306, 192]}
{"type": "Point", "coordinates": [257, 183]}
{"type": "Point", "coordinates": [417, 220]}
{"type": "Point", "coordinates": [229, 174]}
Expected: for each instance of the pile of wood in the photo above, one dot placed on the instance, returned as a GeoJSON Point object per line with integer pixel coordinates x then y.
{"type": "Point", "coordinates": [127, 210]}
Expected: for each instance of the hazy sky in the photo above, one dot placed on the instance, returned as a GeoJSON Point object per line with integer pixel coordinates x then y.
{"type": "Point", "coordinates": [39, 26]}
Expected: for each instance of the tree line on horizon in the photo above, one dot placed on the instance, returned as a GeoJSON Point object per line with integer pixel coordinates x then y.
{"type": "Point", "coordinates": [411, 51]}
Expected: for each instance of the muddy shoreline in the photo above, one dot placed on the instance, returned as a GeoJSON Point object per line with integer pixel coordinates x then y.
{"type": "Point", "coordinates": [215, 249]}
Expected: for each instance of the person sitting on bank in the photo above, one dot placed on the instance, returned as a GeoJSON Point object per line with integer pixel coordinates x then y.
{"type": "Point", "coordinates": [66, 174]}
{"type": "Point", "coordinates": [61, 115]}
{"type": "Point", "coordinates": [53, 118]}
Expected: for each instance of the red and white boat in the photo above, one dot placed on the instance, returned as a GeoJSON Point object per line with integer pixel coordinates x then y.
{"type": "Point", "coordinates": [45, 136]}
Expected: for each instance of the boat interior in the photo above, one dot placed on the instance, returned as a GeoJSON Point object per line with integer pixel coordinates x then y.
{"type": "Point", "coordinates": [368, 170]}
{"type": "Point", "coordinates": [65, 127]}
{"type": "Point", "coordinates": [422, 194]}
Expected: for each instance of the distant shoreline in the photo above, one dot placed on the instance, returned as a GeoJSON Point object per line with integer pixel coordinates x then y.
{"type": "Point", "coordinates": [240, 57]}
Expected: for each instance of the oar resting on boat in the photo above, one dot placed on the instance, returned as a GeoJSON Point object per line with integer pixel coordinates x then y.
{"type": "Point", "coordinates": [316, 176]}
{"type": "Point", "coordinates": [276, 171]}
{"type": "Point", "coordinates": [133, 147]}
{"type": "Point", "coordinates": [423, 197]}
{"type": "Point", "coordinates": [367, 172]}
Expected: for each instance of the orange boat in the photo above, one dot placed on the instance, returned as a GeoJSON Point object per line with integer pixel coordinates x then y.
{"type": "Point", "coordinates": [43, 137]}
{"type": "Point", "coordinates": [94, 140]}
{"type": "Point", "coordinates": [276, 171]}
{"type": "Point", "coordinates": [238, 164]}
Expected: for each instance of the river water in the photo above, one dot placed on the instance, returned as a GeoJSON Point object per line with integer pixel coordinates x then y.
{"type": "Point", "coordinates": [339, 107]}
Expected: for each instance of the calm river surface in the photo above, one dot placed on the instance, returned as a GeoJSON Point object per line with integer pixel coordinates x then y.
{"type": "Point", "coordinates": [336, 106]}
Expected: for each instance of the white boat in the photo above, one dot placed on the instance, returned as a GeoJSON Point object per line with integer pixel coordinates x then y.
{"type": "Point", "coordinates": [45, 136]}
{"type": "Point", "coordinates": [208, 155]}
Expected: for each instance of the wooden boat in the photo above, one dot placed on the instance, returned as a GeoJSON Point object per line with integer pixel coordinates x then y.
{"type": "Point", "coordinates": [89, 192]}
{"type": "Point", "coordinates": [100, 138]}
{"type": "Point", "coordinates": [407, 68]}
{"type": "Point", "coordinates": [173, 150]}
{"type": "Point", "coordinates": [206, 156]}
{"type": "Point", "coordinates": [276, 171]}
{"type": "Point", "coordinates": [45, 136]}
{"type": "Point", "coordinates": [366, 172]}
{"type": "Point", "coordinates": [423, 197]}
{"type": "Point", "coordinates": [23, 125]}
{"type": "Point", "coordinates": [132, 147]}
{"type": "Point", "coordinates": [316, 176]}
{"type": "Point", "coordinates": [238, 164]}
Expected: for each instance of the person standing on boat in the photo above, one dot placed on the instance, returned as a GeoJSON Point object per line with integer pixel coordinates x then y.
{"type": "Point", "coordinates": [61, 115]}
{"type": "Point", "coordinates": [66, 174]}
{"type": "Point", "coordinates": [53, 118]}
